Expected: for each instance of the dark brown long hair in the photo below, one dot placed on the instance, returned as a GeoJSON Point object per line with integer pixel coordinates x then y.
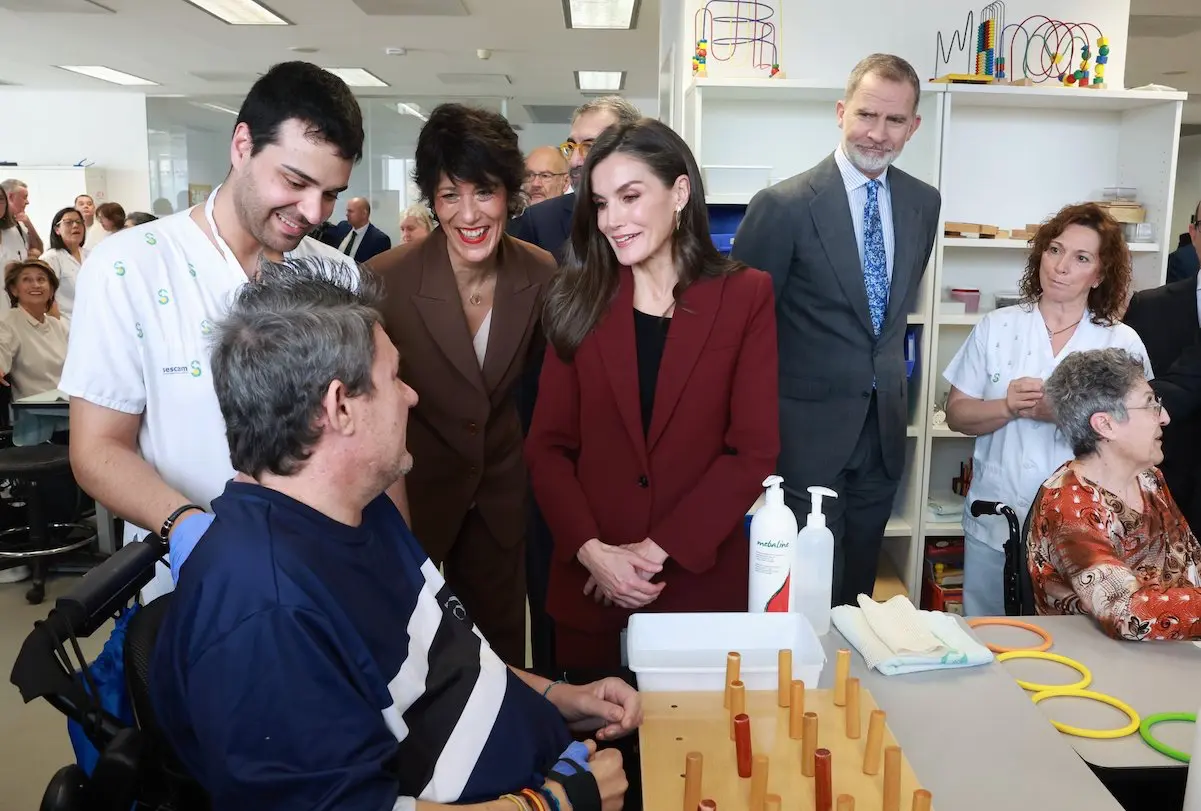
{"type": "Point", "coordinates": [583, 290]}
{"type": "Point", "coordinates": [1107, 300]}
{"type": "Point", "coordinates": [8, 220]}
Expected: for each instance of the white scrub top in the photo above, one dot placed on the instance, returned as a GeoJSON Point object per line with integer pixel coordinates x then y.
{"type": "Point", "coordinates": [1011, 463]}
{"type": "Point", "coordinates": [145, 304]}
{"type": "Point", "coordinates": [12, 249]}
{"type": "Point", "coordinates": [67, 270]}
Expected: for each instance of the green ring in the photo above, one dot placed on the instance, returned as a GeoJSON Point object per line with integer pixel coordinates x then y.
{"type": "Point", "coordinates": [1144, 730]}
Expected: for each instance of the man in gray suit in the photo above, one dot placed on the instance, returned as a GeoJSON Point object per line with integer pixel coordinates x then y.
{"type": "Point", "coordinates": [846, 244]}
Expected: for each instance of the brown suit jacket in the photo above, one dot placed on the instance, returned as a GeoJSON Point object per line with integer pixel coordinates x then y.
{"type": "Point", "coordinates": [464, 434]}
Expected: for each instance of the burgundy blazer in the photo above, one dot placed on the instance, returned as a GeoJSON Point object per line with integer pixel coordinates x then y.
{"type": "Point", "coordinates": [687, 485]}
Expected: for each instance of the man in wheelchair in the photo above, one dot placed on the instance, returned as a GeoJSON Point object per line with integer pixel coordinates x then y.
{"type": "Point", "coordinates": [311, 655]}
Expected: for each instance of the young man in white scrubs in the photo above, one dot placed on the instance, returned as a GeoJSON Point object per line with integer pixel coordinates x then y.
{"type": "Point", "coordinates": [147, 437]}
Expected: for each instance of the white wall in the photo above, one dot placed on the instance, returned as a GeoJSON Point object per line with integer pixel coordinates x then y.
{"type": "Point", "coordinates": [1188, 186]}
{"type": "Point", "coordinates": [61, 128]}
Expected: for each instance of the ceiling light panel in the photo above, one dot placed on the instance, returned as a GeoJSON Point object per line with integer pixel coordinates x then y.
{"type": "Point", "coordinates": [239, 12]}
{"type": "Point", "coordinates": [108, 74]}
{"type": "Point", "coordinates": [618, 14]}
{"type": "Point", "coordinates": [357, 77]}
{"type": "Point", "coordinates": [602, 81]}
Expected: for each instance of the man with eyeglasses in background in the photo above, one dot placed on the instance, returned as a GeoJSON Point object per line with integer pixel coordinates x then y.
{"type": "Point", "coordinates": [548, 225]}
{"type": "Point", "coordinates": [545, 175]}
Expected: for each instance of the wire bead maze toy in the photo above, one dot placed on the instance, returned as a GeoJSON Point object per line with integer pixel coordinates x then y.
{"type": "Point", "coordinates": [741, 23]}
{"type": "Point", "coordinates": [1047, 48]}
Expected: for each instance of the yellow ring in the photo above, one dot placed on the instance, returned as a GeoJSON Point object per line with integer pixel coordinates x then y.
{"type": "Point", "coordinates": [1085, 680]}
{"type": "Point", "coordinates": [1079, 732]}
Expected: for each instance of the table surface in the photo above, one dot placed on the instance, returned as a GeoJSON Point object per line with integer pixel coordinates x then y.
{"type": "Point", "coordinates": [975, 739]}
{"type": "Point", "coordinates": [1152, 677]}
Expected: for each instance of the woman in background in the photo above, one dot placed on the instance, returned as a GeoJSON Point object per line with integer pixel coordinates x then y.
{"type": "Point", "coordinates": [12, 244]}
{"type": "Point", "coordinates": [415, 223]}
{"type": "Point", "coordinates": [33, 343]}
{"type": "Point", "coordinates": [657, 417]}
{"type": "Point", "coordinates": [1106, 537]}
{"type": "Point", "coordinates": [111, 217]}
{"type": "Point", "coordinates": [136, 218]}
{"type": "Point", "coordinates": [65, 257]}
{"type": "Point", "coordinates": [462, 306]}
{"type": "Point", "coordinates": [1073, 291]}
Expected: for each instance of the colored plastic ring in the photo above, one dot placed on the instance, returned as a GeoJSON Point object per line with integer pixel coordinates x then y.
{"type": "Point", "coordinates": [978, 621]}
{"type": "Point", "coordinates": [1086, 677]}
{"type": "Point", "coordinates": [1144, 730]}
{"type": "Point", "coordinates": [1101, 734]}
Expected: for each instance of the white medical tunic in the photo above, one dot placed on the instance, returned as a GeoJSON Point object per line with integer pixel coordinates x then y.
{"type": "Point", "coordinates": [67, 270]}
{"type": "Point", "coordinates": [145, 305]}
{"type": "Point", "coordinates": [1011, 463]}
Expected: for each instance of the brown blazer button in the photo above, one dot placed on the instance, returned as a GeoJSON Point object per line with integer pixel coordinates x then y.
{"type": "Point", "coordinates": [472, 428]}
{"type": "Point", "coordinates": [643, 481]}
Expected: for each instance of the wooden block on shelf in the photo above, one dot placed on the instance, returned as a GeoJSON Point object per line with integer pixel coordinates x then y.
{"type": "Point", "coordinates": [988, 231]}
{"type": "Point", "coordinates": [1002, 233]}
{"type": "Point", "coordinates": [960, 228]}
{"type": "Point", "coordinates": [964, 78]}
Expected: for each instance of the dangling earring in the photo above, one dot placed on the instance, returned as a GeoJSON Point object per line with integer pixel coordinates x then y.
{"type": "Point", "coordinates": [679, 213]}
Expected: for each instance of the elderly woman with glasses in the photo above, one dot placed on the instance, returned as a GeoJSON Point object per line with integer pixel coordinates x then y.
{"type": "Point", "coordinates": [1106, 537]}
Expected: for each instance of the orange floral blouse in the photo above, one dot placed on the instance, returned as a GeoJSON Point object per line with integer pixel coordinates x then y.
{"type": "Point", "coordinates": [1135, 573]}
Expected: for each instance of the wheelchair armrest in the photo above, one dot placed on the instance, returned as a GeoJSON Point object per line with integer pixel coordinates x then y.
{"type": "Point", "coordinates": [104, 590]}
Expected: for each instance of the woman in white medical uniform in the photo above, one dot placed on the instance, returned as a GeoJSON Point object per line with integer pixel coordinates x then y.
{"type": "Point", "coordinates": [1073, 292]}
{"type": "Point", "coordinates": [67, 252]}
{"type": "Point", "coordinates": [12, 243]}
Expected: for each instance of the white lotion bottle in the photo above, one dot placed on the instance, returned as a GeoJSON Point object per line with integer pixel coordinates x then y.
{"type": "Point", "coordinates": [773, 535]}
{"type": "Point", "coordinates": [813, 566]}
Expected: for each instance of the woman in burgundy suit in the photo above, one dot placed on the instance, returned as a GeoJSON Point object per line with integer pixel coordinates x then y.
{"type": "Point", "coordinates": [657, 416]}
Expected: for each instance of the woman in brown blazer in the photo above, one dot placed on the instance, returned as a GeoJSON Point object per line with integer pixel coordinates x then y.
{"type": "Point", "coordinates": [463, 307]}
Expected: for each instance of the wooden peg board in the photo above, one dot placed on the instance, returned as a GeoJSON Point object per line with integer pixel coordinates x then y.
{"type": "Point", "coordinates": [678, 723]}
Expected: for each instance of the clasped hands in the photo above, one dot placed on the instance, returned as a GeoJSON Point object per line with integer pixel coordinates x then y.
{"type": "Point", "coordinates": [1025, 398]}
{"type": "Point", "coordinates": [621, 575]}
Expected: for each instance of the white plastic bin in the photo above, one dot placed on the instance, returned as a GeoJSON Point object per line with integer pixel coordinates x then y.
{"type": "Point", "coordinates": [687, 652]}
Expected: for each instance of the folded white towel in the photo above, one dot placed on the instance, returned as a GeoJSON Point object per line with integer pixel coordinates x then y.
{"type": "Point", "coordinates": [897, 638]}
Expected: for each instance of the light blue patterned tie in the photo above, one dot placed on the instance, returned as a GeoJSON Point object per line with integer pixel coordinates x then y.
{"type": "Point", "coordinates": [875, 261]}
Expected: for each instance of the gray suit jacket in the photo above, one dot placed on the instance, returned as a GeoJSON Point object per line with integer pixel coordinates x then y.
{"type": "Point", "coordinates": [800, 231]}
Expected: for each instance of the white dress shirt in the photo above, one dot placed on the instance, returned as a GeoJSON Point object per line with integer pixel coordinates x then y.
{"type": "Point", "coordinates": [67, 270]}
{"type": "Point", "coordinates": [1011, 463]}
{"type": "Point", "coordinates": [358, 240]}
{"type": "Point", "coordinates": [856, 186]}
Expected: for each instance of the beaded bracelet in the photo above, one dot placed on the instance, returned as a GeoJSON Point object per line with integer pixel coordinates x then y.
{"type": "Point", "coordinates": [550, 798]}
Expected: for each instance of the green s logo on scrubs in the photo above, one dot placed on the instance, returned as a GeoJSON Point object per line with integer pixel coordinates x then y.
{"type": "Point", "coordinates": [119, 267]}
{"type": "Point", "coordinates": [163, 298]}
{"type": "Point", "coordinates": [195, 366]}
{"type": "Point", "coordinates": [150, 240]}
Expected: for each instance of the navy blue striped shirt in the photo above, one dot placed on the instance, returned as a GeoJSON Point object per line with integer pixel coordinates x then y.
{"type": "Point", "coordinates": [307, 664]}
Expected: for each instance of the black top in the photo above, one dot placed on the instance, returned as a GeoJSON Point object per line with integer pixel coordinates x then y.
{"type": "Point", "coordinates": [650, 336]}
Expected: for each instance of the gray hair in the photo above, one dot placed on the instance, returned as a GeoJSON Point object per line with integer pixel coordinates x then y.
{"type": "Point", "coordinates": [886, 66]}
{"type": "Point", "coordinates": [293, 330]}
{"type": "Point", "coordinates": [12, 184]}
{"type": "Point", "coordinates": [1095, 381]}
{"type": "Point", "coordinates": [625, 112]}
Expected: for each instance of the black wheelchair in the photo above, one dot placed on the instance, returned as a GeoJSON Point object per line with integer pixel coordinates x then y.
{"type": "Point", "coordinates": [136, 768]}
{"type": "Point", "coordinates": [1019, 589]}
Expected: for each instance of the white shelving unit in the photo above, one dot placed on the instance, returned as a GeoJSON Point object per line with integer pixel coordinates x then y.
{"type": "Point", "coordinates": [1002, 155]}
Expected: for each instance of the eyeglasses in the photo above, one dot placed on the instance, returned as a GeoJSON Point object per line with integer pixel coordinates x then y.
{"type": "Point", "coordinates": [569, 147]}
{"type": "Point", "coordinates": [1155, 407]}
{"type": "Point", "coordinates": [545, 177]}
{"type": "Point", "coordinates": [65, 221]}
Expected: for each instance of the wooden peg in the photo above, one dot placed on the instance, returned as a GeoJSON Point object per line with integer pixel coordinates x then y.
{"type": "Point", "coordinates": [733, 673]}
{"type": "Point", "coordinates": [694, 763]}
{"type": "Point", "coordinates": [922, 800]}
{"type": "Point", "coordinates": [808, 743]}
{"type": "Point", "coordinates": [846, 802]}
{"type": "Point", "coordinates": [853, 711]}
{"type": "Point", "coordinates": [823, 788]}
{"type": "Point", "coordinates": [842, 671]}
{"type": "Point", "coordinates": [759, 768]}
{"type": "Point", "coordinates": [737, 703]}
{"type": "Point", "coordinates": [742, 744]}
{"type": "Point", "coordinates": [784, 678]}
{"type": "Point", "coordinates": [875, 741]}
{"type": "Point", "coordinates": [892, 778]}
{"type": "Point", "coordinates": [796, 709]}
{"type": "Point", "coordinates": [706, 805]}
{"type": "Point", "coordinates": [772, 802]}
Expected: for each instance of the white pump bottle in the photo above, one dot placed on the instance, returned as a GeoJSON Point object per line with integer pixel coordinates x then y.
{"type": "Point", "coordinates": [813, 566]}
{"type": "Point", "coordinates": [773, 537]}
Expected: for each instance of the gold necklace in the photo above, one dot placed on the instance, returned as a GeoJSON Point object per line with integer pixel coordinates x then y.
{"type": "Point", "coordinates": [1051, 334]}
